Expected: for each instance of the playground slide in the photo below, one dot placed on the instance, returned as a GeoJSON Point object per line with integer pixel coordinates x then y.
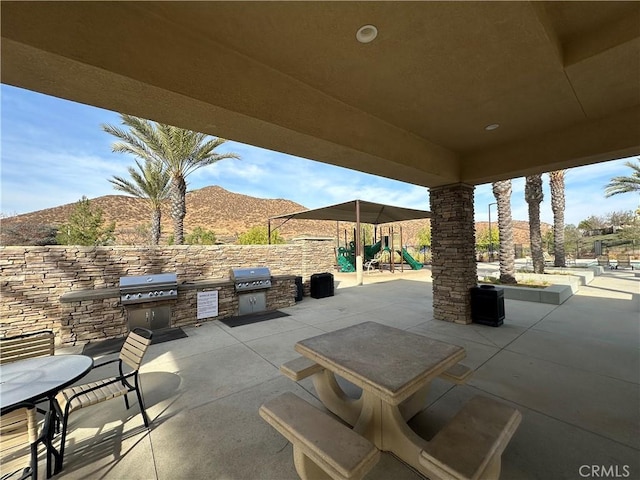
{"type": "Point", "coordinates": [415, 265]}
{"type": "Point", "coordinates": [345, 265]}
{"type": "Point", "coordinates": [371, 251]}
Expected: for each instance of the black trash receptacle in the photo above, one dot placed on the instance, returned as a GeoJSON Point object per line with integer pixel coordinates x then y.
{"type": "Point", "coordinates": [487, 305]}
{"type": "Point", "coordinates": [299, 289]}
{"type": "Point", "coordinates": [321, 285]}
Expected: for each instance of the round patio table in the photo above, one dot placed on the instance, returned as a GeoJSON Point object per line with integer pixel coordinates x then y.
{"type": "Point", "coordinates": [40, 378]}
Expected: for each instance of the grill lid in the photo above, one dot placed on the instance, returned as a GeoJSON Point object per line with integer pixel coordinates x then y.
{"type": "Point", "coordinates": [255, 278]}
{"type": "Point", "coordinates": [246, 274]}
{"type": "Point", "coordinates": [148, 288]}
{"type": "Point", "coordinates": [148, 281]}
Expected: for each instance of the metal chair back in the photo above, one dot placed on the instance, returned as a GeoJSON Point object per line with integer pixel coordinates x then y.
{"type": "Point", "coordinates": [28, 345]}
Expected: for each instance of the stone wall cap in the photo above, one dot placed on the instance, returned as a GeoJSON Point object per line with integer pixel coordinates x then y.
{"type": "Point", "coordinates": [321, 239]}
{"type": "Point", "coordinates": [91, 294]}
{"type": "Point", "coordinates": [208, 283]}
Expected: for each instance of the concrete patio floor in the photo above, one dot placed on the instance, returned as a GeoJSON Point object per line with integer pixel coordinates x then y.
{"type": "Point", "coordinates": [572, 370]}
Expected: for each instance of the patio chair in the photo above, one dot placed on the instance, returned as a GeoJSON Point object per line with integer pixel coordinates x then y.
{"type": "Point", "coordinates": [19, 441]}
{"type": "Point", "coordinates": [28, 345]}
{"type": "Point", "coordinates": [74, 398]}
{"type": "Point", "coordinates": [624, 261]}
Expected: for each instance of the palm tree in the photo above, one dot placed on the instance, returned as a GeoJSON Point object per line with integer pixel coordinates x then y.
{"type": "Point", "coordinates": [151, 183]}
{"type": "Point", "coordinates": [502, 192]}
{"type": "Point", "coordinates": [619, 185]}
{"type": "Point", "coordinates": [180, 151]}
{"type": "Point", "coordinates": [556, 181]}
{"type": "Point", "coordinates": [533, 195]}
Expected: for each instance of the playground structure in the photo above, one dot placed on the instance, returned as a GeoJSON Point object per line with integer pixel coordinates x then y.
{"type": "Point", "coordinates": [374, 254]}
{"type": "Point", "coordinates": [359, 212]}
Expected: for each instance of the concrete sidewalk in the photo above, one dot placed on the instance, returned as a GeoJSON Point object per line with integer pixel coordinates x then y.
{"type": "Point", "coordinates": [572, 370]}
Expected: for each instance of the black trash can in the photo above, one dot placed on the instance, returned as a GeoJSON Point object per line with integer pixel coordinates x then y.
{"type": "Point", "coordinates": [321, 285]}
{"type": "Point", "coordinates": [487, 305]}
{"type": "Point", "coordinates": [299, 289]}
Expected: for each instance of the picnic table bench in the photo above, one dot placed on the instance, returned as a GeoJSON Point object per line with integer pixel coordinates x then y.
{"type": "Point", "coordinates": [322, 446]}
{"type": "Point", "coordinates": [470, 446]}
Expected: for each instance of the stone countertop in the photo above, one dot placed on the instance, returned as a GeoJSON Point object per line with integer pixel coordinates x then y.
{"type": "Point", "coordinates": [114, 292]}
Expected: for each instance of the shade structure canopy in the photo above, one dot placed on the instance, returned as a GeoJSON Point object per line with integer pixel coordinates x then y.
{"type": "Point", "coordinates": [369, 212]}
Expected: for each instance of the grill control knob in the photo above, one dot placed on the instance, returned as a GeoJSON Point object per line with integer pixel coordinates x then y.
{"type": "Point", "coordinates": [139, 295]}
{"type": "Point", "coordinates": [127, 296]}
{"type": "Point", "coordinates": [161, 292]}
{"type": "Point", "coordinates": [171, 292]}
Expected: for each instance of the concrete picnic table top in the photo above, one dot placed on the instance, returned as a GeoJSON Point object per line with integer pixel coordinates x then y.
{"type": "Point", "coordinates": [389, 362]}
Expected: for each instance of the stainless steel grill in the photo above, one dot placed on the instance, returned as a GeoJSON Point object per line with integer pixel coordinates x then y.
{"type": "Point", "coordinates": [148, 288]}
{"type": "Point", "coordinates": [257, 278]}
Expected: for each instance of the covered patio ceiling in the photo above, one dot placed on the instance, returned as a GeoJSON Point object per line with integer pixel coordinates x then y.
{"type": "Point", "coordinates": [561, 79]}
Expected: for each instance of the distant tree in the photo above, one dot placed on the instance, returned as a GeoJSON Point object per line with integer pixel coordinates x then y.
{"type": "Point", "coordinates": [547, 240]}
{"type": "Point", "coordinates": [502, 193]}
{"type": "Point", "coordinates": [618, 219]}
{"type": "Point", "coordinates": [28, 233]}
{"type": "Point", "coordinates": [572, 238]}
{"type": "Point", "coordinates": [631, 232]}
{"type": "Point", "coordinates": [135, 235]}
{"type": "Point", "coordinates": [181, 151]}
{"type": "Point", "coordinates": [593, 222]}
{"type": "Point", "coordinates": [556, 182]}
{"type": "Point", "coordinates": [366, 232]}
{"type": "Point", "coordinates": [533, 195]}
{"type": "Point", "coordinates": [484, 240]}
{"type": "Point", "coordinates": [259, 236]}
{"type": "Point", "coordinates": [86, 226]}
{"type": "Point", "coordinates": [622, 184]}
{"type": "Point", "coordinates": [150, 183]}
{"type": "Point", "coordinates": [424, 237]}
{"type": "Point", "coordinates": [200, 236]}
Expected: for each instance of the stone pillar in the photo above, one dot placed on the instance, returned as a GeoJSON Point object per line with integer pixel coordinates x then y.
{"type": "Point", "coordinates": [454, 268]}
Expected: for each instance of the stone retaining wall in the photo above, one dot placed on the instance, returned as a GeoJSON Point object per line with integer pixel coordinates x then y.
{"type": "Point", "coordinates": [33, 279]}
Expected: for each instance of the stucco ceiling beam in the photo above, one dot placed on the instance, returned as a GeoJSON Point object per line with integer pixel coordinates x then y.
{"type": "Point", "coordinates": [592, 141]}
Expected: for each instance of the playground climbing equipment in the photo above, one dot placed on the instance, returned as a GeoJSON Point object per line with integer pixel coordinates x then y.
{"type": "Point", "coordinates": [375, 253]}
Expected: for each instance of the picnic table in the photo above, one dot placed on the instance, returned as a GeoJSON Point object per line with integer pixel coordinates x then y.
{"type": "Point", "coordinates": [393, 368]}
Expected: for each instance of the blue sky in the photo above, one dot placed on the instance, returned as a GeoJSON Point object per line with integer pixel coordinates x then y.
{"type": "Point", "coordinates": [54, 151]}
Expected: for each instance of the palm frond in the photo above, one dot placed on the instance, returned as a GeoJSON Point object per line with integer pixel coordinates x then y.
{"type": "Point", "coordinates": [622, 184]}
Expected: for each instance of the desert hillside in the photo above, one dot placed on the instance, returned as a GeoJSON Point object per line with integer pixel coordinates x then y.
{"type": "Point", "coordinates": [226, 213]}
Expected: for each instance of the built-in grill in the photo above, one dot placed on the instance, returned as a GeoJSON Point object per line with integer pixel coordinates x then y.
{"type": "Point", "coordinates": [256, 278]}
{"type": "Point", "coordinates": [148, 288]}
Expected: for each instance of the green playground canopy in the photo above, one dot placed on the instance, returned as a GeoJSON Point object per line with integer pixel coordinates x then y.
{"type": "Point", "coordinates": [359, 211]}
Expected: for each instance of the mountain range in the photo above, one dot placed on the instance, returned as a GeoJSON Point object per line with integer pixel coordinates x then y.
{"type": "Point", "coordinates": [225, 213]}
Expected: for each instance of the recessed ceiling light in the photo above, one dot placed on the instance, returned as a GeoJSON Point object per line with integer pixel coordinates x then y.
{"type": "Point", "coordinates": [493, 126]}
{"type": "Point", "coordinates": [366, 33]}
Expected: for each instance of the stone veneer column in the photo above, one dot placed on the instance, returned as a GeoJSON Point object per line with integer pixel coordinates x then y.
{"type": "Point", "coordinates": [454, 268]}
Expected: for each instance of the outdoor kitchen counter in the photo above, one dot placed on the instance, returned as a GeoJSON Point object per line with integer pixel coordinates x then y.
{"type": "Point", "coordinates": [114, 292]}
